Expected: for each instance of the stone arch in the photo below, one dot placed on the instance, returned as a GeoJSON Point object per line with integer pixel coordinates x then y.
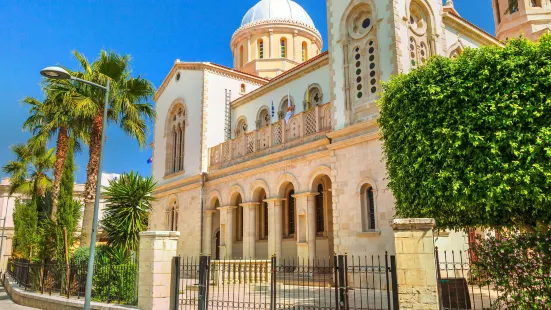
{"type": "Point", "coordinates": [317, 173]}
{"type": "Point", "coordinates": [179, 102]}
{"type": "Point", "coordinates": [431, 30]}
{"type": "Point", "coordinates": [211, 199]}
{"type": "Point", "coordinates": [313, 88]}
{"type": "Point", "coordinates": [261, 115]}
{"type": "Point", "coordinates": [364, 182]}
{"type": "Point", "coordinates": [352, 6]}
{"type": "Point", "coordinates": [241, 126]}
{"type": "Point", "coordinates": [255, 188]}
{"type": "Point", "coordinates": [233, 192]}
{"type": "Point", "coordinates": [456, 49]}
{"type": "Point", "coordinates": [283, 106]}
{"type": "Point", "coordinates": [282, 183]}
{"type": "Point", "coordinates": [172, 201]}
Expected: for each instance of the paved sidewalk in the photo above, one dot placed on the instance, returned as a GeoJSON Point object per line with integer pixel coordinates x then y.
{"type": "Point", "coordinates": [7, 304]}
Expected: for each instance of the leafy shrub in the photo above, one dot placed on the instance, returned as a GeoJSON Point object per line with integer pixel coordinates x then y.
{"type": "Point", "coordinates": [519, 265]}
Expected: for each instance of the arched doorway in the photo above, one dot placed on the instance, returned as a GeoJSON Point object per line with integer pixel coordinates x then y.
{"type": "Point", "coordinates": [286, 191]}
{"type": "Point", "coordinates": [217, 245]}
{"type": "Point", "coordinates": [262, 224]}
{"type": "Point", "coordinates": [323, 216]}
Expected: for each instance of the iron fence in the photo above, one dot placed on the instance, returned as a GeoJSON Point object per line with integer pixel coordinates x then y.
{"type": "Point", "coordinates": [339, 282]}
{"type": "Point", "coordinates": [459, 288]}
{"type": "Point", "coordinates": [112, 283]}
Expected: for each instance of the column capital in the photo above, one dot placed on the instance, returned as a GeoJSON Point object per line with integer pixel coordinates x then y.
{"type": "Point", "coordinates": [227, 207]}
{"type": "Point", "coordinates": [305, 194]}
{"type": "Point", "coordinates": [250, 204]}
{"type": "Point", "coordinates": [210, 211]}
{"type": "Point", "coordinates": [413, 224]}
{"type": "Point", "coordinates": [274, 199]}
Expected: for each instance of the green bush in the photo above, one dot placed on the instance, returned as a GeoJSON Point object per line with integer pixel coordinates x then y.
{"type": "Point", "coordinates": [519, 265]}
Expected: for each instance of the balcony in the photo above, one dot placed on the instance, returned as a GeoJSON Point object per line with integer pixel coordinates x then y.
{"type": "Point", "coordinates": [302, 128]}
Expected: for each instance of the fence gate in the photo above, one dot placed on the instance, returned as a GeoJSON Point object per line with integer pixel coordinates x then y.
{"type": "Point", "coordinates": [336, 283]}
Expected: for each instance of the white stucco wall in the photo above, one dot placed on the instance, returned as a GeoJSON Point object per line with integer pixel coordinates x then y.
{"type": "Point", "coordinates": [216, 85]}
{"type": "Point", "coordinates": [297, 89]}
{"type": "Point", "coordinates": [190, 89]}
{"type": "Point", "coordinates": [453, 37]}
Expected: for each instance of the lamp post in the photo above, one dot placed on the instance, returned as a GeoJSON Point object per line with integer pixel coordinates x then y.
{"type": "Point", "coordinates": [58, 73]}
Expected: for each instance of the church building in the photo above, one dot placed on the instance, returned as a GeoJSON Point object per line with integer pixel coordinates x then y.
{"type": "Point", "coordinates": [281, 154]}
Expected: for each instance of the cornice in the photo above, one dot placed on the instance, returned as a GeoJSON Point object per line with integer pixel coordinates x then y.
{"type": "Point", "coordinates": [190, 182]}
{"type": "Point", "coordinates": [470, 30]}
{"type": "Point", "coordinates": [352, 129]}
{"type": "Point", "coordinates": [285, 79]}
{"type": "Point", "coordinates": [211, 68]}
{"type": "Point", "coordinates": [277, 21]}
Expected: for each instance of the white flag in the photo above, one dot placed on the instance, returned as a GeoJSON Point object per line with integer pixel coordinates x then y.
{"type": "Point", "coordinates": [289, 112]}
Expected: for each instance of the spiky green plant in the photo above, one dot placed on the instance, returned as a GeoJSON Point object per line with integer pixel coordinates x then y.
{"type": "Point", "coordinates": [128, 202]}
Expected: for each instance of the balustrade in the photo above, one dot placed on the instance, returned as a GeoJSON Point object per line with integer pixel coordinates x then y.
{"type": "Point", "coordinates": [279, 134]}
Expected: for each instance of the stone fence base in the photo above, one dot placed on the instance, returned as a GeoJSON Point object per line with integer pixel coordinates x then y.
{"type": "Point", "coordinates": [48, 302]}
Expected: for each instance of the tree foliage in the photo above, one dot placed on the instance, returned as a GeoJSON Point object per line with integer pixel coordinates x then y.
{"type": "Point", "coordinates": [519, 265]}
{"type": "Point", "coordinates": [127, 209]}
{"type": "Point", "coordinates": [25, 220]}
{"type": "Point", "coordinates": [468, 140]}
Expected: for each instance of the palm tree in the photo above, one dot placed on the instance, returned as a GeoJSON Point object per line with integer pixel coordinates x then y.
{"type": "Point", "coordinates": [127, 107]}
{"type": "Point", "coordinates": [28, 172]}
{"type": "Point", "coordinates": [46, 119]}
{"type": "Point", "coordinates": [127, 210]}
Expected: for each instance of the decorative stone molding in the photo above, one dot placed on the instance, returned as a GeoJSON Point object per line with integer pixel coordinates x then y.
{"type": "Point", "coordinates": [277, 21]}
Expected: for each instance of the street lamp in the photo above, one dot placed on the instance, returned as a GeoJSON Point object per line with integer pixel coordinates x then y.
{"type": "Point", "coordinates": [58, 73]}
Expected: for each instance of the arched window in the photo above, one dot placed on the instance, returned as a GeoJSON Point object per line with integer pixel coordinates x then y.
{"type": "Point", "coordinates": [419, 33]}
{"type": "Point", "coordinates": [243, 88]}
{"type": "Point", "coordinates": [283, 105]}
{"type": "Point", "coordinates": [241, 56]}
{"type": "Point", "coordinates": [368, 208]}
{"type": "Point", "coordinates": [362, 52]}
{"type": "Point", "coordinates": [175, 143]}
{"type": "Point", "coordinates": [263, 217]}
{"type": "Point", "coordinates": [241, 127]}
{"type": "Point", "coordinates": [320, 214]}
{"type": "Point", "coordinates": [263, 118]}
{"type": "Point", "coordinates": [498, 11]}
{"type": "Point", "coordinates": [238, 220]}
{"type": "Point", "coordinates": [261, 49]}
{"type": "Point", "coordinates": [283, 43]}
{"type": "Point", "coordinates": [304, 51]}
{"type": "Point", "coordinates": [291, 213]}
{"type": "Point", "coordinates": [313, 97]}
{"type": "Point", "coordinates": [171, 221]}
{"type": "Point", "coordinates": [513, 6]}
{"type": "Point", "coordinates": [535, 3]}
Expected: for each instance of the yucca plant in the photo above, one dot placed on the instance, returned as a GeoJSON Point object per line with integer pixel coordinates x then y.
{"type": "Point", "coordinates": [128, 202]}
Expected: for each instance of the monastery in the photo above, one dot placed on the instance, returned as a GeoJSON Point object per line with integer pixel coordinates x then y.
{"type": "Point", "coordinates": [281, 154]}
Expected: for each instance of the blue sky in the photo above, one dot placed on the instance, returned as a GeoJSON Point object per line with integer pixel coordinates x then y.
{"type": "Point", "coordinates": [39, 33]}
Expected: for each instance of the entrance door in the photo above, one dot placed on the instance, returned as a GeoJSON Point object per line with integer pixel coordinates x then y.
{"type": "Point", "coordinates": [217, 256]}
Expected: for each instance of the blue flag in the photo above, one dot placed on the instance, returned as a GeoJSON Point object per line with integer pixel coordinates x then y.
{"type": "Point", "coordinates": [273, 110]}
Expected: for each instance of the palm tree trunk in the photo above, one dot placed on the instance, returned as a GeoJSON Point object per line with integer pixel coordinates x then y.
{"type": "Point", "coordinates": [61, 154]}
{"type": "Point", "coordinates": [91, 179]}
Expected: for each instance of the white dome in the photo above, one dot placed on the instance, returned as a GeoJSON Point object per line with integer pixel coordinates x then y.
{"type": "Point", "coordinates": [277, 9]}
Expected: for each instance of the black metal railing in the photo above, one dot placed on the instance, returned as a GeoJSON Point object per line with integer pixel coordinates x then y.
{"type": "Point", "coordinates": [459, 288]}
{"type": "Point", "coordinates": [338, 282]}
{"type": "Point", "coordinates": [112, 283]}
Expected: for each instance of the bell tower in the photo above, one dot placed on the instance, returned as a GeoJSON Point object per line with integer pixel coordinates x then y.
{"type": "Point", "coordinates": [531, 18]}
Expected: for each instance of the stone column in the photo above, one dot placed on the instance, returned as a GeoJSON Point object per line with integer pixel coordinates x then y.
{"type": "Point", "coordinates": [157, 248]}
{"type": "Point", "coordinates": [249, 229]}
{"type": "Point", "coordinates": [226, 219]}
{"type": "Point", "coordinates": [306, 224]}
{"type": "Point", "coordinates": [271, 42]}
{"type": "Point", "coordinates": [275, 227]}
{"type": "Point", "coordinates": [207, 241]}
{"type": "Point", "coordinates": [295, 45]}
{"type": "Point", "coordinates": [249, 58]}
{"type": "Point", "coordinates": [415, 263]}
